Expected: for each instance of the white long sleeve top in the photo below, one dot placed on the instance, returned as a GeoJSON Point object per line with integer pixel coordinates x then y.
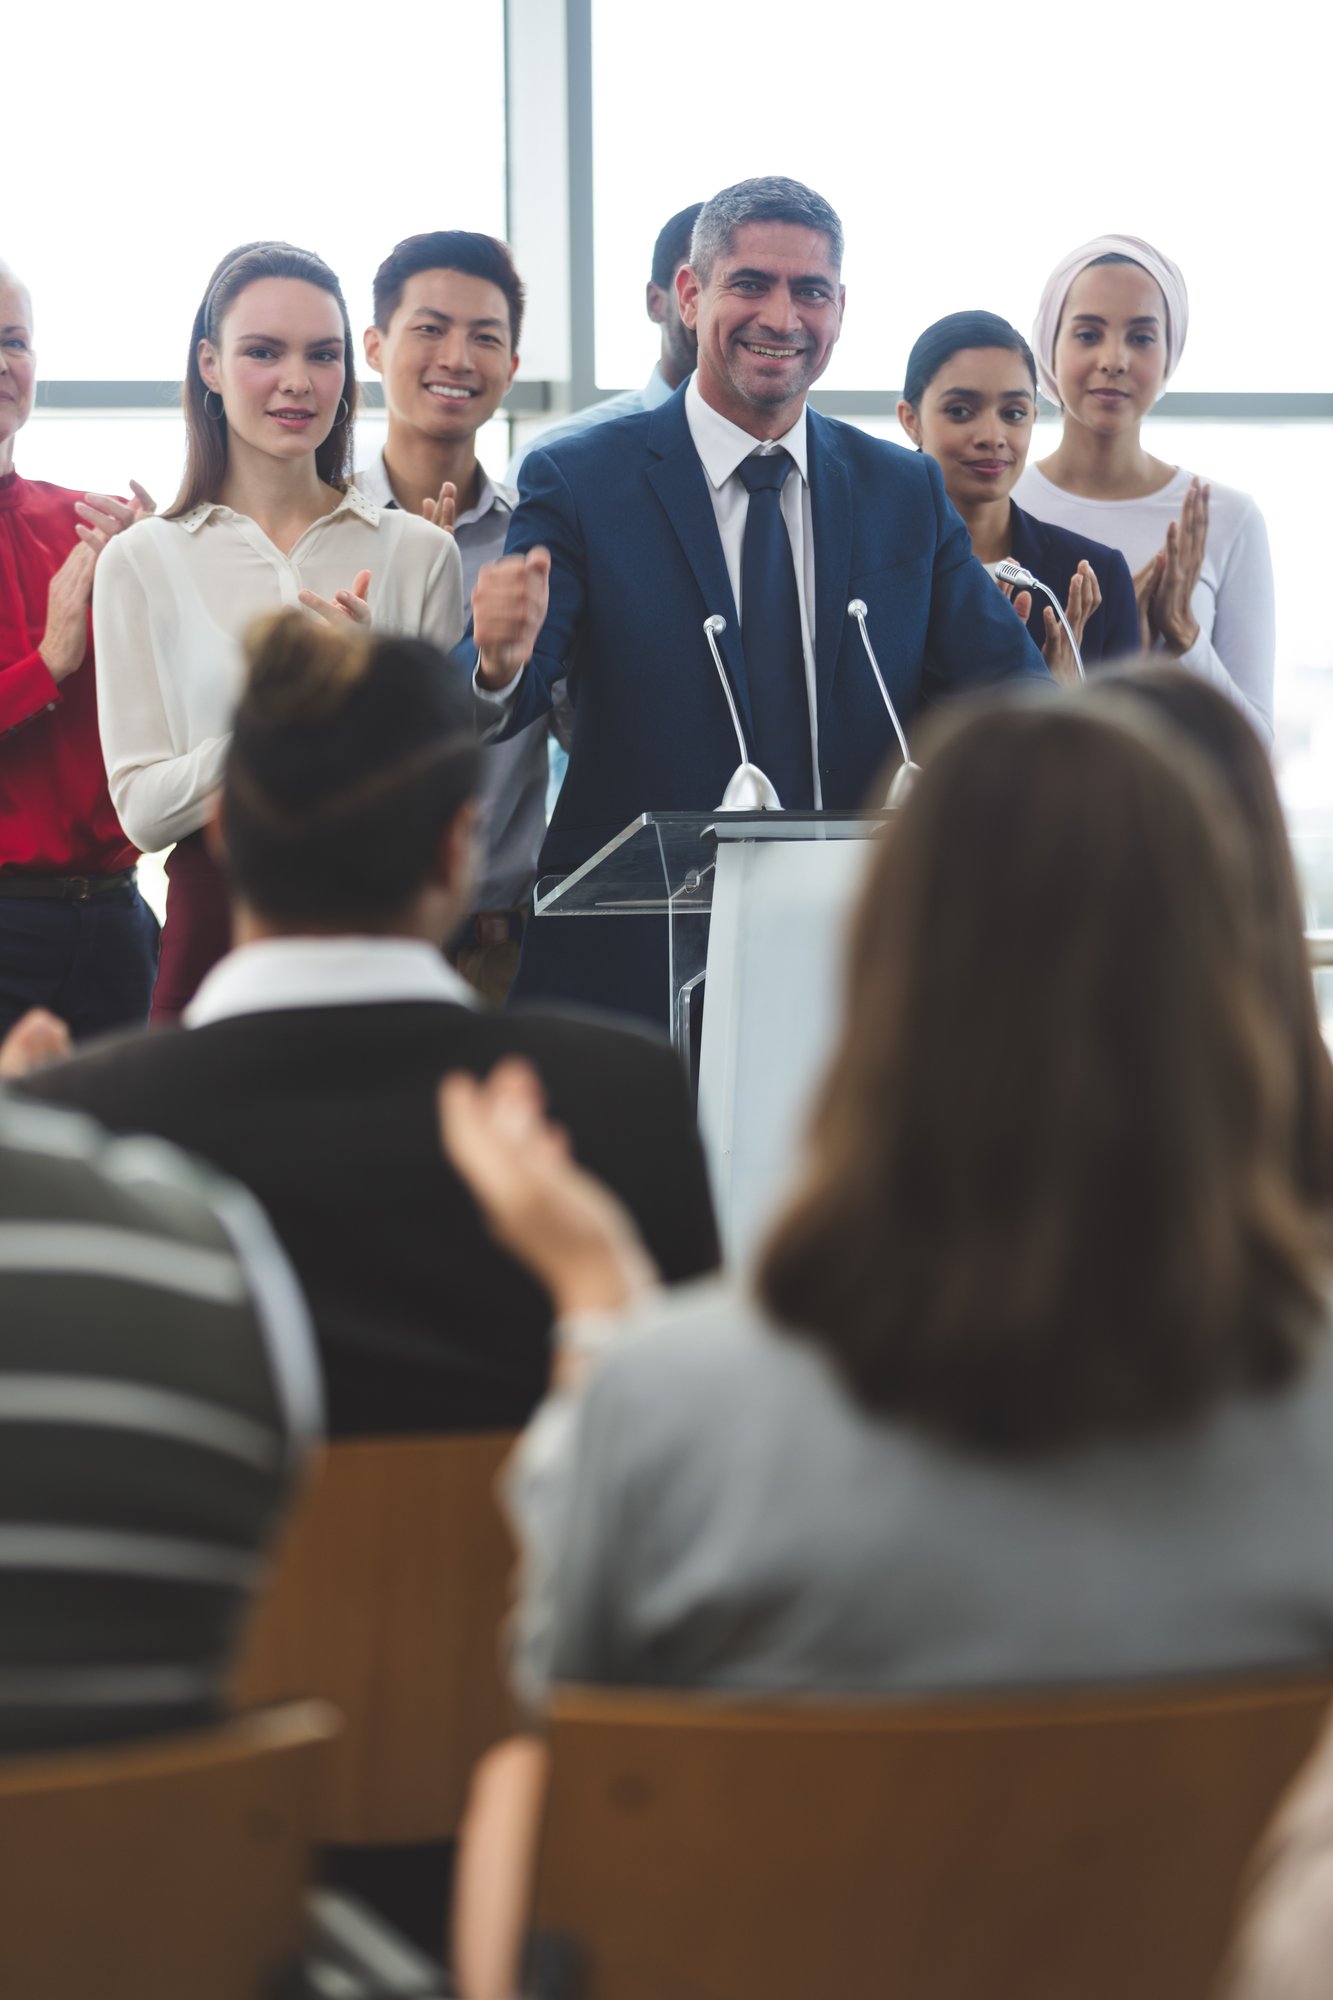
{"type": "Point", "coordinates": [172, 601]}
{"type": "Point", "coordinates": [1233, 599]}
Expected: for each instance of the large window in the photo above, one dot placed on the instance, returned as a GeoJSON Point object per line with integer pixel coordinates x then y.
{"type": "Point", "coordinates": [967, 149]}
{"type": "Point", "coordinates": [164, 137]}
{"type": "Point", "coordinates": [145, 141]}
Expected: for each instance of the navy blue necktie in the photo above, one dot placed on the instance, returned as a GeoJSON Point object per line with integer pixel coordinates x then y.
{"type": "Point", "coordinates": [771, 633]}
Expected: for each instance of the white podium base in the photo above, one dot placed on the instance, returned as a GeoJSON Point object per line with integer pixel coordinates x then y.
{"type": "Point", "coordinates": [773, 1005]}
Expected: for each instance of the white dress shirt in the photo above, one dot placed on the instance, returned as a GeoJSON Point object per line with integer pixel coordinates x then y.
{"type": "Point", "coordinates": [281, 972]}
{"type": "Point", "coordinates": [722, 446]}
{"type": "Point", "coordinates": [172, 600]}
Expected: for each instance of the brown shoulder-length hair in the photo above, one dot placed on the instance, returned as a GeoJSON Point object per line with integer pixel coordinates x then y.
{"type": "Point", "coordinates": [1217, 728]}
{"type": "Point", "coordinates": [1048, 1195]}
{"type": "Point", "coordinates": [206, 437]}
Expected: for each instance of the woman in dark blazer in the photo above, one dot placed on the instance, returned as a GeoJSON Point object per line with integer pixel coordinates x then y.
{"type": "Point", "coordinates": [970, 401]}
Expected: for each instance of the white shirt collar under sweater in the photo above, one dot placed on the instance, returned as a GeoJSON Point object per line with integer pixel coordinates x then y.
{"type": "Point", "coordinates": [276, 973]}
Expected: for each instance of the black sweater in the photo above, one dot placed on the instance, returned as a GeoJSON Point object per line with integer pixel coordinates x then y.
{"type": "Point", "coordinates": [328, 1115]}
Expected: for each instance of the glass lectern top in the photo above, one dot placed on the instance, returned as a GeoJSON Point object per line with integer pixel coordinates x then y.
{"type": "Point", "coordinates": [664, 860]}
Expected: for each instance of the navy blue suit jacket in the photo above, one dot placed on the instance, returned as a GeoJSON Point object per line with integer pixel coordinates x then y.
{"type": "Point", "coordinates": [1054, 554]}
{"type": "Point", "coordinates": [637, 565]}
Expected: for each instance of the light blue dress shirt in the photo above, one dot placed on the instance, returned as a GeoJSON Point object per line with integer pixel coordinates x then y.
{"type": "Point", "coordinates": [629, 403]}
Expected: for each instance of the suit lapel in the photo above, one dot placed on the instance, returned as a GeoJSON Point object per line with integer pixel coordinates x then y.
{"type": "Point", "coordinates": [831, 501]}
{"type": "Point", "coordinates": [681, 485]}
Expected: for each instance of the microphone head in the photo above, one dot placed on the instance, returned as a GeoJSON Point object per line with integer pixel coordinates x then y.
{"type": "Point", "coordinates": [716, 624]}
{"type": "Point", "coordinates": [748, 790]}
{"type": "Point", "coordinates": [857, 608]}
{"type": "Point", "coordinates": [904, 778]}
{"type": "Point", "coordinates": [1013, 572]}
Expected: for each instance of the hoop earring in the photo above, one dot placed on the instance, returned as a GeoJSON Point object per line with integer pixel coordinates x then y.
{"type": "Point", "coordinates": [214, 416]}
{"type": "Point", "coordinates": [345, 407]}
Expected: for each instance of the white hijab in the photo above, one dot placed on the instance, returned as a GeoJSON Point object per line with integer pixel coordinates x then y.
{"type": "Point", "coordinates": [1056, 291]}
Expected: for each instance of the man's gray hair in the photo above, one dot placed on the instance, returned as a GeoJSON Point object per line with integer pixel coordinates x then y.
{"type": "Point", "coordinates": [768, 198]}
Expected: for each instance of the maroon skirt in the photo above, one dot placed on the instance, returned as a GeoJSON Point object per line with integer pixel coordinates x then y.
{"type": "Point", "coordinates": [197, 932]}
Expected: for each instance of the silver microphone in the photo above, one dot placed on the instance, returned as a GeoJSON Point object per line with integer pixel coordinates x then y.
{"type": "Point", "coordinates": [748, 790]}
{"type": "Point", "coordinates": [906, 777]}
{"type": "Point", "coordinates": [1013, 572]}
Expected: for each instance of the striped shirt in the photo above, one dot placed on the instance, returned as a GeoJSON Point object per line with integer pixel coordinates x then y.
{"type": "Point", "coordinates": [158, 1388]}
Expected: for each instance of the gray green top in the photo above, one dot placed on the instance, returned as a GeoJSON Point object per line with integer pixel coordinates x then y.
{"type": "Point", "coordinates": [714, 1509]}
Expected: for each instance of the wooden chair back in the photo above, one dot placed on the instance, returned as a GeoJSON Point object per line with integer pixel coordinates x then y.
{"type": "Point", "coordinates": [1072, 1849]}
{"type": "Point", "coordinates": [171, 1868]}
{"type": "Point", "coordinates": [387, 1599]}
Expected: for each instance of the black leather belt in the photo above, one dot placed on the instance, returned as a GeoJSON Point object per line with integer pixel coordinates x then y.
{"type": "Point", "coordinates": [65, 888]}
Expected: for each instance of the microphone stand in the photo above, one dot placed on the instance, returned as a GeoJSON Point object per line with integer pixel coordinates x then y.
{"type": "Point", "coordinates": [748, 790]}
{"type": "Point", "coordinates": [906, 777]}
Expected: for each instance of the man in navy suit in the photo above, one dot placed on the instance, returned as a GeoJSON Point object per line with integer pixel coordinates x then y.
{"type": "Point", "coordinates": [729, 499]}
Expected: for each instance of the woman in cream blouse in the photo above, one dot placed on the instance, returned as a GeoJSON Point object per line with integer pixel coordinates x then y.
{"type": "Point", "coordinates": [265, 517]}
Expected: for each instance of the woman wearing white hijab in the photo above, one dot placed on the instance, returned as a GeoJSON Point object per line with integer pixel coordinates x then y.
{"type": "Point", "coordinates": [1108, 336]}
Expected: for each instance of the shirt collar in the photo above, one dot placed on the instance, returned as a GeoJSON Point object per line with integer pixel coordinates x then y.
{"type": "Point", "coordinates": [722, 445]}
{"type": "Point", "coordinates": [492, 493]}
{"type": "Point", "coordinates": [373, 479]}
{"type": "Point", "coordinates": [273, 974]}
{"type": "Point", "coordinates": [352, 502]}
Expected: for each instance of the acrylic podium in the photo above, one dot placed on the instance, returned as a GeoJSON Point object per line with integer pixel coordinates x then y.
{"type": "Point", "coordinates": [756, 906]}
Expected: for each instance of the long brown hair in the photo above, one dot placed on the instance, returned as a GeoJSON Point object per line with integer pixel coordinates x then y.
{"type": "Point", "coordinates": [1217, 728]}
{"type": "Point", "coordinates": [206, 438]}
{"type": "Point", "coordinates": [1049, 1192]}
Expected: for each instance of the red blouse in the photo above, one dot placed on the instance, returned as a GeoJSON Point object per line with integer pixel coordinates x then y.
{"type": "Point", "coordinates": [56, 815]}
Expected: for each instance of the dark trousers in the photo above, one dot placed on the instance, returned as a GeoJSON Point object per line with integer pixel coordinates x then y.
{"type": "Point", "coordinates": [198, 928]}
{"type": "Point", "coordinates": [92, 963]}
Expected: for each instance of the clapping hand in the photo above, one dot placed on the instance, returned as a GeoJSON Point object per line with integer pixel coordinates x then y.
{"type": "Point", "coordinates": [444, 510]}
{"type": "Point", "coordinates": [1084, 597]}
{"type": "Point", "coordinates": [1146, 581]}
{"type": "Point", "coordinates": [570, 1231]}
{"type": "Point", "coordinates": [1170, 602]}
{"type": "Point", "coordinates": [102, 515]}
{"type": "Point", "coordinates": [509, 603]}
{"type": "Point", "coordinates": [36, 1038]}
{"type": "Point", "coordinates": [345, 605]}
{"type": "Point", "coordinates": [64, 643]}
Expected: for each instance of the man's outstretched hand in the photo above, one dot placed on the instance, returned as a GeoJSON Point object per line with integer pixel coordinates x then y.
{"type": "Point", "coordinates": [509, 601]}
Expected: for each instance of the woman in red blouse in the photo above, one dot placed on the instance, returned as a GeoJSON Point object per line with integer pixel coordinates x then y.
{"type": "Point", "coordinates": [75, 935]}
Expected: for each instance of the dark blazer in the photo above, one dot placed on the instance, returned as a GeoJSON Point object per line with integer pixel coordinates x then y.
{"type": "Point", "coordinates": [1054, 554]}
{"type": "Point", "coordinates": [637, 565]}
{"type": "Point", "coordinates": [328, 1115]}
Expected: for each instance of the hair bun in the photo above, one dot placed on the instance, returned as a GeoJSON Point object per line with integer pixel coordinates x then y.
{"type": "Point", "coordinates": [300, 668]}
